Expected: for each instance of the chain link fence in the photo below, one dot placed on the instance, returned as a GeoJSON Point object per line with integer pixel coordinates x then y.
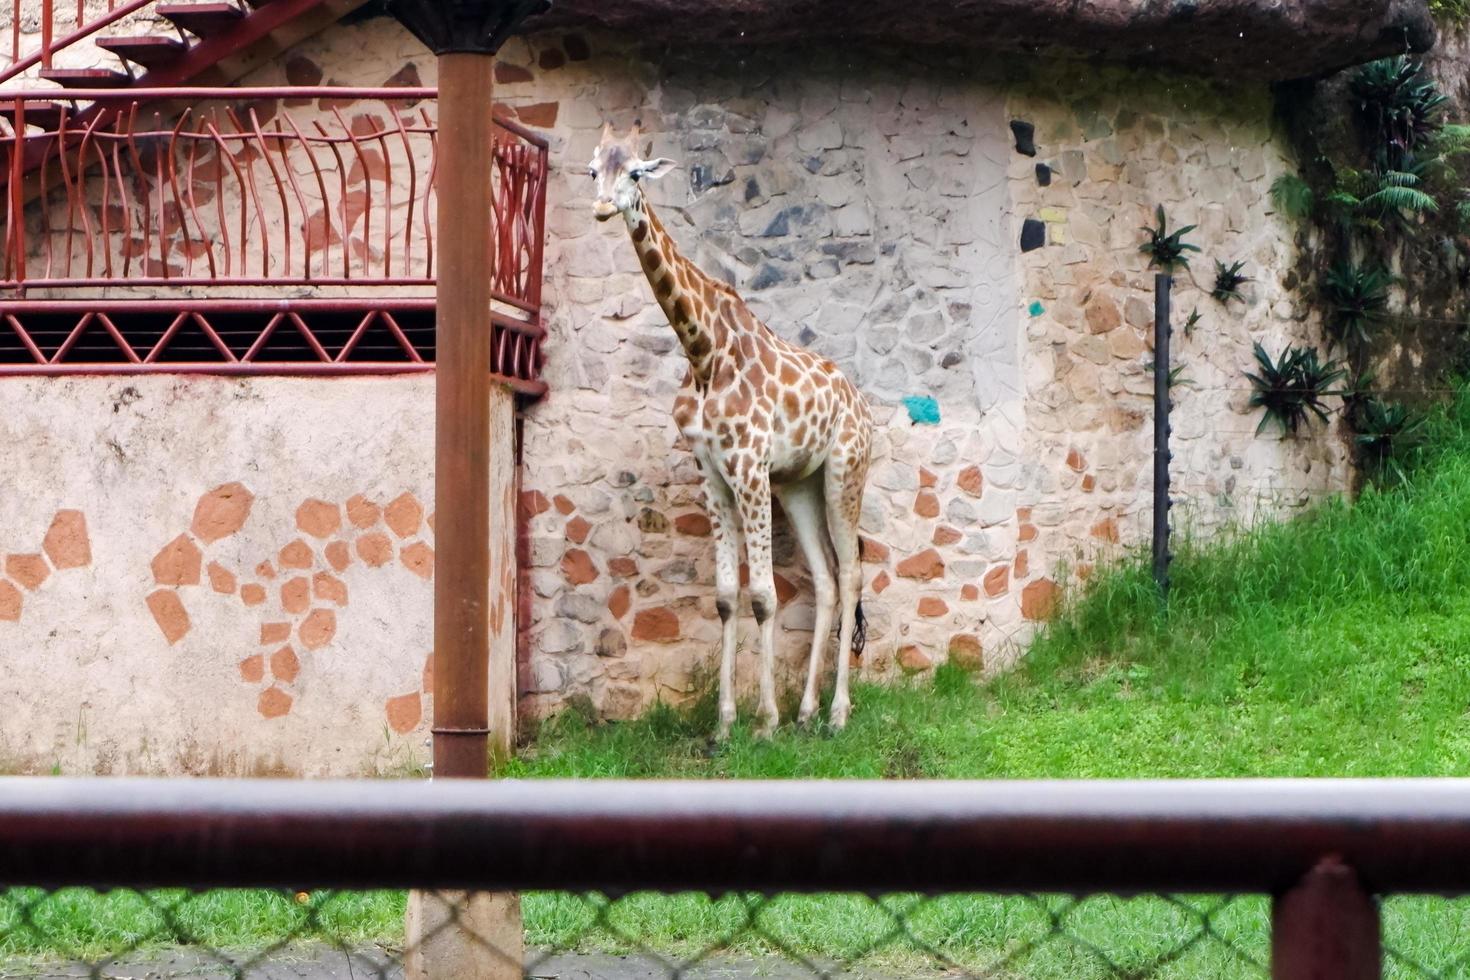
{"type": "Point", "coordinates": [259, 933]}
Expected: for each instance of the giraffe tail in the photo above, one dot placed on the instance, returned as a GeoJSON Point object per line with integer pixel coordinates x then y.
{"type": "Point", "coordinates": [859, 631]}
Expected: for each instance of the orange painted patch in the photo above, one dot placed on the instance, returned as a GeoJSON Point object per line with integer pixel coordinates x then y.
{"type": "Point", "coordinates": [926, 504]}
{"type": "Point", "coordinates": [318, 629]}
{"type": "Point", "coordinates": [944, 534]}
{"type": "Point", "coordinates": [375, 549]}
{"type": "Point", "coordinates": [221, 579]}
{"type": "Point", "coordinates": [1026, 533]}
{"type": "Point", "coordinates": [971, 480]}
{"type": "Point", "coordinates": [252, 594]}
{"type": "Point", "coordinates": [1089, 483]}
{"type": "Point", "coordinates": [178, 563]}
{"type": "Point", "coordinates": [10, 602]}
{"type": "Point", "coordinates": [881, 582]}
{"type": "Point", "coordinates": [404, 712]}
{"type": "Point", "coordinates": [872, 552]}
{"type": "Point", "coordinates": [318, 518]}
{"type": "Point", "coordinates": [252, 669]}
{"type": "Point", "coordinates": [29, 571]}
{"type": "Point", "coordinates": [169, 614]}
{"type": "Point", "coordinates": [564, 505]}
{"type": "Point", "coordinates": [1076, 461]}
{"type": "Point", "coordinates": [997, 581]}
{"type": "Point", "coordinates": [419, 559]}
{"type": "Point", "coordinates": [405, 515]}
{"type": "Point", "coordinates": [969, 593]}
{"type": "Point", "coordinates": [532, 503]}
{"type": "Point", "coordinates": [66, 542]}
{"type": "Point", "coordinates": [296, 595]}
{"type": "Point", "coordinates": [221, 512]}
{"type": "Point", "coordinates": [284, 665]}
{"type": "Point", "coordinates": [329, 588]}
{"type": "Point", "coordinates": [274, 633]}
{"type": "Point", "coordinates": [363, 513]}
{"type": "Point", "coordinates": [618, 602]}
{"type": "Point", "coordinates": [924, 566]}
{"type": "Point", "coordinates": [297, 554]}
{"type": "Point", "coordinates": [274, 702]}
{"type": "Point", "coordinates": [338, 555]}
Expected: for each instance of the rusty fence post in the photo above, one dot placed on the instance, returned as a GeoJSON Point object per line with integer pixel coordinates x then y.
{"type": "Point", "coordinates": [464, 935]}
{"type": "Point", "coordinates": [1325, 927]}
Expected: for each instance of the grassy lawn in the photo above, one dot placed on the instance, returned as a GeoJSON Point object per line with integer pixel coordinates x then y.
{"type": "Point", "coordinates": [1337, 644]}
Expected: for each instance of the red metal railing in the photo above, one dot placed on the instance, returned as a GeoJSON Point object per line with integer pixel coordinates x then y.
{"type": "Point", "coordinates": [241, 193]}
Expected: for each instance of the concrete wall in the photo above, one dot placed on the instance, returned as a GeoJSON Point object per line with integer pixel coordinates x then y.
{"type": "Point", "coordinates": [869, 204]}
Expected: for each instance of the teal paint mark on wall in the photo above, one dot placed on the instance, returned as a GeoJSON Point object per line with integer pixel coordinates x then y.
{"type": "Point", "coordinates": [923, 410]}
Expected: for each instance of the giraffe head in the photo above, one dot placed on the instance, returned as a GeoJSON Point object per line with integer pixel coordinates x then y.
{"type": "Point", "coordinates": [617, 168]}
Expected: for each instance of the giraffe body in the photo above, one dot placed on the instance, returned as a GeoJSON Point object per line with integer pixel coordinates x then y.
{"type": "Point", "coordinates": [764, 418]}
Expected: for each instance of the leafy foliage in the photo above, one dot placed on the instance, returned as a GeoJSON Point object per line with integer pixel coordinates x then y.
{"type": "Point", "coordinates": [1399, 108]}
{"type": "Point", "coordinates": [1359, 299]}
{"type": "Point", "coordinates": [1452, 12]}
{"type": "Point", "coordinates": [1370, 201]}
{"type": "Point", "coordinates": [1293, 197]}
{"type": "Point", "coordinates": [1384, 431]}
{"type": "Point", "coordinates": [1228, 281]}
{"type": "Point", "coordinates": [1166, 250]}
{"type": "Point", "coordinates": [1292, 386]}
{"type": "Point", "coordinates": [1191, 323]}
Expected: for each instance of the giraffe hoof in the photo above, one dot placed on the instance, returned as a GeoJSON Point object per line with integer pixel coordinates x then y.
{"type": "Point", "coordinates": [767, 728]}
{"type": "Point", "coordinates": [805, 716]}
{"type": "Point", "coordinates": [838, 718]}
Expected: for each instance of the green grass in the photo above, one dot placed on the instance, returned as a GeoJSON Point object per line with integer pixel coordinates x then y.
{"type": "Point", "coordinates": [1337, 644]}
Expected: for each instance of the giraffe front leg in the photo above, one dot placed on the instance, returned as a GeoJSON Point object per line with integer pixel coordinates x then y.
{"type": "Point", "coordinates": [725, 526]}
{"type": "Point", "coordinates": [754, 501]}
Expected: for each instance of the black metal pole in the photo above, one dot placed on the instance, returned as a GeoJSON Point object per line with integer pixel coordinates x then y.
{"type": "Point", "coordinates": [1163, 283]}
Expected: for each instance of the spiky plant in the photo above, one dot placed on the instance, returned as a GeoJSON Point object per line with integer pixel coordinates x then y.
{"type": "Point", "coordinates": [1291, 388]}
{"type": "Point", "coordinates": [1384, 431]}
{"type": "Point", "coordinates": [1293, 197]}
{"type": "Point", "coordinates": [1165, 250]}
{"type": "Point", "coordinates": [1398, 195]}
{"type": "Point", "coordinates": [1228, 281]}
{"type": "Point", "coordinates": [1191, 323]}
{"type": "Point", "coordinates": [1399, 108]}
{"type": "Point", "coordinates": [1358, 297]}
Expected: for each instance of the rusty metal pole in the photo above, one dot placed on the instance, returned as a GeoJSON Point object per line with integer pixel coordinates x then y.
{"type": "Point", "coordinates": [1326, 928]}
{"type": "Point", "coordinates": [462, 450]}
{"type": "Point", "coordinates": [460, 935]}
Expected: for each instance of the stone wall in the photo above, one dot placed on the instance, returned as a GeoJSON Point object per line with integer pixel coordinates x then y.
{"type": "Point", "coordinates": [869, 204]}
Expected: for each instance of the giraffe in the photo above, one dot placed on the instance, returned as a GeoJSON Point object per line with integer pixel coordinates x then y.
{"type": "Point", "coordinates": [763, 417]}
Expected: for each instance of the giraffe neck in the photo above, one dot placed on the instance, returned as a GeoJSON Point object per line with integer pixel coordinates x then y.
{"type": "Point", "coordinates": [681, 290]}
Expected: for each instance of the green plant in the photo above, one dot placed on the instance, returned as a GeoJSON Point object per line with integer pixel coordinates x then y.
{"type": "Point", "coordinates": [1358, 299]}
{"type": "Point", "coordinates": [1370, 200]}
{"type": "Point", "coordinates": [1384, 430]}
{"type": "Point", "coordinates": [1293, 197]}
{"type": "Point", "coordinates": [1164, 249]}
{"type": "Point", "coordinates": [1292, 386]}
{"type": "Point", "coordinates": [1451, 12]}
{"type": "Point", "coordinates": [1399, 108]}
{"type": "Point", "coordinates": [1191, 323]}
{"type": "Point", "coordinates": [1228, 281]}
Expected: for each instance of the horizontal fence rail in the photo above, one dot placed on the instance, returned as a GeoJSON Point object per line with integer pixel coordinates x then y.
{"type": "Point", "coordinates": [1079, 837]}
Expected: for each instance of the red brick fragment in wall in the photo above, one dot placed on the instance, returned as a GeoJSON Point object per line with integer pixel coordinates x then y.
{"type": "Point", "coordinates": [880, 582]}
{"type": "Point", "coordinates": [252, 669]}
{"type": "Point", "coordinates": [932, 606]}
{"type": "Point", "coordinates": [362, 513]}
{"type": "Point", "coordinates": [375, 549]}
{"type": "Point", "coordinates": [318, 629]}
{"type": "Point", "coordinates": [563, 504]}
{"type": "Point", "coordinates": [28, 571]}
{"type": "Point", "coordinates": [966, 652]}
{"type": "Point", "coordinates": [508, 74]}
{"type": "Point", "coordinates": [274, 633]}
{"type": "Point", "coordinates": [913, 660]}
{"type": "Point", "coordinates": [419, 559]}
{"type": "Point", "coordinates": [971, 481]}
{"type": "Point", "coordinates": [695, 525]}
{"type": "Point", "coordinates": [577, 530]}
{"type": "Point", "coordinates": [178, 563]}
{"type": "Point", "coordinates": [927, 480]}
{"type": "Point", "coordinates": [577, 567]}
{"type": "Point", "coordinates": [656, 625]}
{"type": "Point", "coordinates": [618, 602]}
{"type": "Point", "coordinates": [1088, 483]}
{"type": "Point", "coordinates": [284, 665]}
{"type": "Point", "coordinates": [168, 612]}
{"type": "Point", "coordinates": [296, 555]}
{"type": "Point", "coordinates": [623, 566]}
{"type": "Point", "coordinates": [265, 570]}
{"type": "Point", "coordinates": [541, 115]}
{"type": "Point", "coordinates": [296, 596]}
{"type": "Point", "coordinates": [1022, 567]}
{"type": "Point", "coordinates": [551, 59]}
{"type": "Point", "coordinates": [221, 512]}
{"type": "Point", "coordinates": [969, 593]}
{"type": "Point", "coordinates": [10, 602]}
{"type": "Point", "coordinates": [273, 703]}
{"type": "Point", "coordinates": [997, 581]}
{"type": "Point", "coordinates": [329, 588]}
{"type": "Point", "coordinates": [405, 77]}
{"type": "Point", "coordinates": [1076, 461]}
{"type": "Point", "coordinates": [926, 504]}
{"type": "Point", "coordinates": [405, 515]}
{"type": "Point", "coordinates": [319, 518]}
{"type": "Point", "coordinates": [532, 503]}
{"type": "Point", "coordinates": [872, 552]}
{"type": "Point", "coordinates": [925, 566]}
{"type": "Point", "coordinates": [1027, 532]}
{"type": "Point", "coordinates": [946, 535]}
{"type": "Point", "coordinates": [785, 591]}
{"type": "Point", "coordinates": [404, 712]}
{"type": "Point", "coordinates": [338, 555]}
{"type": "Point", "coordinates": [221, 579]}
{"type": "Point", "coordinates": [1039, 599]}
{"type": "Point", "coordinates": [1106, 530]}
{"type": "Point", "coordinates": [252, 594]}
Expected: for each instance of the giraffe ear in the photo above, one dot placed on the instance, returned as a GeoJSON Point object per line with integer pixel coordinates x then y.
{"type": "Point", "coordinates": [652, 168]}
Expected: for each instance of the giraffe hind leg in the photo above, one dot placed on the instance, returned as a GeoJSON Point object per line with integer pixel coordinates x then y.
{"type": "Point", "coordinates": [843, 488]}
{"type": "Point", "coordinates": [805, 505]}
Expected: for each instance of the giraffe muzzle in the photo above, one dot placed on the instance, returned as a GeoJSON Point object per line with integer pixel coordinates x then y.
{"type": "Point", "coordinates": [603, 210]}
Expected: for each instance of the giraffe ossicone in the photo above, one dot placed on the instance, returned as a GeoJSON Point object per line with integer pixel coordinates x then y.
{"type": "Point", "coordinates": [764, 418]}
